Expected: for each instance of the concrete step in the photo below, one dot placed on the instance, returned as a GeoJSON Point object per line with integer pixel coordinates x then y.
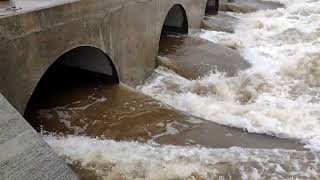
{"type": "Point", "coordinates": [221, 22]}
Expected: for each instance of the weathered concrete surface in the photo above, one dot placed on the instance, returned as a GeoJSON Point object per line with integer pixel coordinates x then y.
{"type": "Point", "coordinates": [220, 22]}
{"type": "Point", "coordinates": [23, 154]}
{"type": "Point", "coordinates": [14, 7]}
{"type": "Point", "coordinates": [128, 31]}
{"type": "Point", "coordinates": [4, 5]}
{"type": "Point", "coordinates": [193, 57]}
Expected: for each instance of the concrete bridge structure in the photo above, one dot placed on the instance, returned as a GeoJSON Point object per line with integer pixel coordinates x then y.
{"type": "Point", "coordinates": [127, 32]}
{"type": "Point", "coordinates": [114, 37]}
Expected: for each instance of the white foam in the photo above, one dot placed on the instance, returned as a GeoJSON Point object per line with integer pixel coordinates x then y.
{"type": "Point", "coordinates": [279, 95]}
{"type": "Point", "coordinates": [132, 160]}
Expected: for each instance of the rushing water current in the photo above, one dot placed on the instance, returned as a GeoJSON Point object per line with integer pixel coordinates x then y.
{"type": "Point", "coordinates": [279, 96]}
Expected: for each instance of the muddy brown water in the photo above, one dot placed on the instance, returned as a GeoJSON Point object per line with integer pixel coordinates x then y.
{"type": "Point", "coordinates": [77, 102]}
{"type": "Point", "coordinates": [193, 57]}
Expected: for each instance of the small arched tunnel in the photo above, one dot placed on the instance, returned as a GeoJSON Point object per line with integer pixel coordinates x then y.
{"type": "Point", "coordinates": [76, 69]}
{"type": "Point", "coordinates": [176, 21]}
{"type": "Point", "coordinates": [174, 29]}
{"type": "Point", "coordinates": [212, 7]}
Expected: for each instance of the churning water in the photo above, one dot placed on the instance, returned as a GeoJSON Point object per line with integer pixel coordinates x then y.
{"type": "Point", "coordinates": [279, 96]}
{"type": "Point", "coordinates": [132, 160]}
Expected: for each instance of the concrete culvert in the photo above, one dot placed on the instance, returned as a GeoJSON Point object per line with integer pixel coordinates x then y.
{"type": "Point", "coordinates": [76, 68]}
{"type": "Point", "coordinates": [212, 7]}
{"type": "Point", "coordinates": [176, 21]}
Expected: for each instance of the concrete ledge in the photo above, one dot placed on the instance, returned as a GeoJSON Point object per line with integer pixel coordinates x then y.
{"type": "Point", "coordinates": [24, 155]}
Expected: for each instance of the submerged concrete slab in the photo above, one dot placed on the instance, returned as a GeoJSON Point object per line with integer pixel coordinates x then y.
{"type": "Point", "coordinates": [24, 155]}
{"type": "Point", "coordinates": [212, 135]}
{"type": "Point", "coordinates": [193, 57]}
{"type": "Point", "coordinates": [221, 22]}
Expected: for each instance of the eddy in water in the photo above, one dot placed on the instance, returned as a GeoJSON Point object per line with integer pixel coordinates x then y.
{"type": "Point", "coordinates": [278, 95]}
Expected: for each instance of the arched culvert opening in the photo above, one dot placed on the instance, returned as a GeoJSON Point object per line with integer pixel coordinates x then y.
{"type": "Point", "coordinates": [78, 70]}
{"type": "Point", "coordinates": [175, 28]}
{"type": "Point", "coordinates": [176, 21]}
{"type": "Point", "coordinates": [212, 7]}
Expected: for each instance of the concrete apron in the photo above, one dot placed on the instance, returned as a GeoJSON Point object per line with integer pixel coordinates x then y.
{"type": "Point", "coordinates": [24, 155]}
{"type": "Point", "coordinates": [221, 22]}
{"type": "Point", "coordinates": [193, 57]}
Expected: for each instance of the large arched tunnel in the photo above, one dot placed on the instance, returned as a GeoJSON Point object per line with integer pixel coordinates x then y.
{"type": "Point", "coordinates": [75, 69]}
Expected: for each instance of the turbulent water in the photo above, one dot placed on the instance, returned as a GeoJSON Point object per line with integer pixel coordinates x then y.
{"type": "Point", "coordinates": [131, 160]}
{"type": "Point", "coordinates": [279, 95]}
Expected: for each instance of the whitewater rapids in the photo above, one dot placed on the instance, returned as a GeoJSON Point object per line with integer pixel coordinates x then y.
{"type": "Point", "coordinates": [279, 96]}
{"type": "Point", "coordinates": [132, 160]}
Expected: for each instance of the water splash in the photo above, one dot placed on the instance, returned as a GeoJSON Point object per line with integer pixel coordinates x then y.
{"type": "Point", "coordinates": [278, 96]}
{"type": "Point", "coordinates": [132, 160]}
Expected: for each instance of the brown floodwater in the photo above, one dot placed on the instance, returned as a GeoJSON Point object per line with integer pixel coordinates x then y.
{"type": "Point", "coordinates": [193, 57]}
{"type": "Point", "coordinates": [88, 104]}
{"type": "Point", "coordinates": [70, 101]}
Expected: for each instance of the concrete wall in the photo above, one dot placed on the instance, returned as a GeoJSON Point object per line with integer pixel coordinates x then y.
{"type": "Point", "coordinates": [23, 154]}
{"type": "Point", "coordinates": [128, 31]}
